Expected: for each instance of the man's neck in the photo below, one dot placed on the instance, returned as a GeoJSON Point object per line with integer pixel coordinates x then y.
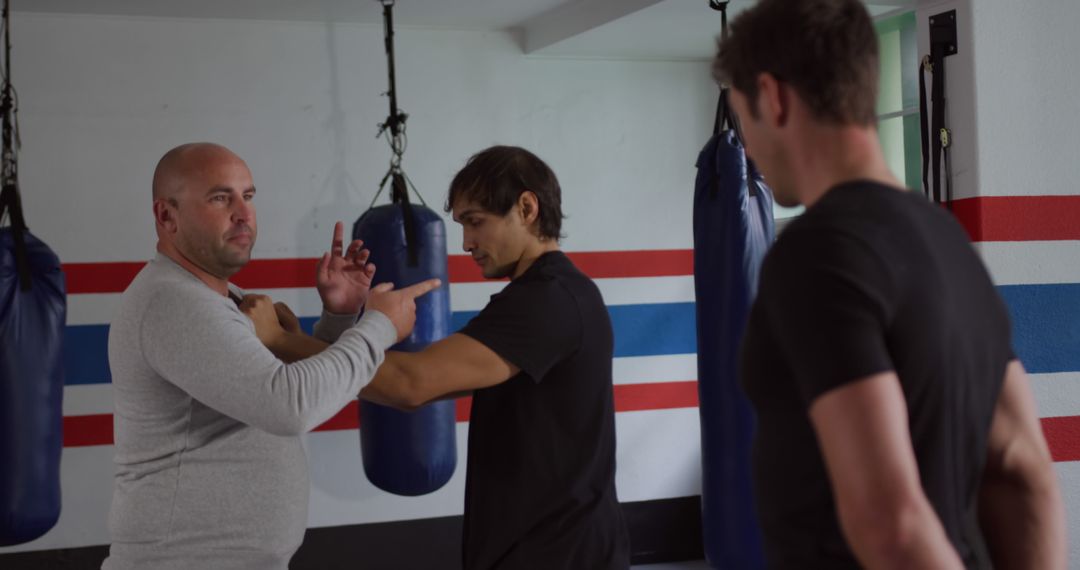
{"type": "Point", "coordinates": [533, 253]}
{"type": "Point", "coordinates": [212, 281]}
{"type": "Point", "coordinates": [832, 155]}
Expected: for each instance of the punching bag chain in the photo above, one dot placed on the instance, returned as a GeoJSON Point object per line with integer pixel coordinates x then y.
{"type": "Point", "coordinates": [9, 109]}
{"type": "Point", "coordinates": [394, 126]}
{"type": "Point", "coordinates": [10, 205]}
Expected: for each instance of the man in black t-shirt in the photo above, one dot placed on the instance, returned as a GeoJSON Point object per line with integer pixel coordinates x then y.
{"type": "Point", "coordinates": [540, 480]}
{"type": "Point", "coordinates": [896, 429]}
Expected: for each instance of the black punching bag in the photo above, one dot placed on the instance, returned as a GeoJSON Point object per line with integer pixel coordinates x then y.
{"type": "Point", "coordinates": [409, 453]}
{"type": "Point", "coordinates": [733, 228]}
{"type": "Point", "coordinates": [33, 307]}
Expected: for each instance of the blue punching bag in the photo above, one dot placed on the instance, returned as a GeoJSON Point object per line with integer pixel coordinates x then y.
{"type": "Point", "coordinates": [733, 227]}
{"type": "Point", "coordinates": [33, 307]}
{"type": "Point", "coordinates": [409, 453]}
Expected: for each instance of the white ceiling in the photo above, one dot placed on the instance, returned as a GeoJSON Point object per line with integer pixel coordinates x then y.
{"type": "Point", "coordinates": [621, 29]}
{"type": "Point", "coordinates": [457, 14]}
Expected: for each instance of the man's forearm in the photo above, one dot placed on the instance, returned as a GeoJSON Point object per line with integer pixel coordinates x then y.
{"type": "Point", "coordinates": [1023, 521]}
{"type": "Point", "coordinates": [392, 384]}
{"type": "Point", "coordinates": [912, 539]}
{"type": "Point", "coordinates": [291, 347]}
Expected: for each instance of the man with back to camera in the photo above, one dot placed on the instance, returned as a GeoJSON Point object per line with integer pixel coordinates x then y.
{"type": "Point", "coordinates": [540, 480]}
{"type": "Point", "coordinates": [210, 469]}
{"type": "Point", "coordinates": [896, 429]}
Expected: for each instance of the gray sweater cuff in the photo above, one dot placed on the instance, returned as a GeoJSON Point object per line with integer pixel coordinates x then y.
{"type": "Point", "coordinates": [330, 325]}
{"type": "Point", "coordinates": [378, 329]}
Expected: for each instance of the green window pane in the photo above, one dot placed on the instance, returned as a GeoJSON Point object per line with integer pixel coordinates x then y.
{"type": "Point", "coordinates": [891, 135]}
{"type": "Point", "coordinates": [912, 153]}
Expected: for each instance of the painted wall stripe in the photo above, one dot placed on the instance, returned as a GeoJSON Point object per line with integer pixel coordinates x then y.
{"type": "Point", "coordinates": [1046, 325]}
{"type": "Point", "coordinates": [1062, 433]}
{"type": "Point", "coordinates": [640, 330]}
{"type": "Point", "coordinates": [114, 277]}
{"type": "Point", "coordinates": [600, 264]}
{"type": "Point", "coordinates": [1063, 437]}
{"type": "Point", "coordinates": [986, 218]}
{"type": "Point", "coordinates": [100, 308]}
{"type": "Point", "coordinates": [97, 429]}
{"type": "Point", "coordinates": [1046, 332]}
{"type": "Point", "coordinates": [1031, 263]}
{"type": "Point", "coordinates": [1056, 394]}
{"type": "Point", "coordinates": [1019, 218]}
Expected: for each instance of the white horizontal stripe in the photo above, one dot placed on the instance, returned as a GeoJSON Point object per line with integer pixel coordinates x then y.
{"type": "Point", "coordinates": [621, 291]}
{"type": "Point", "coordinates": [473, 296]}
{"type": "Point", "coordinates": [649, 369]}
{"type": "Point", "coordinates": [1031, 262]}
{"type": "Point", "coordinates": [92, 308]}
{"type": "Point", "coordinates": [1057, 394]}
{"type": "Point", "coordinates": [1069, 480]}
{"type": "Point", "coordinates": [88, 399]}
{"type": "Point", "coordinates": [99, 308]}
{"type": "Point", "coordinates": [657, 457]}
{"type": "Point", "coordinates": [638, 290]}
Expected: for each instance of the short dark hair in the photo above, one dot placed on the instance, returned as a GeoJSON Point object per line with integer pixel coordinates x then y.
{"type": "Point", "coordinates": [827, 50]}
{"type": "Point", "coordinates": [494, 178]}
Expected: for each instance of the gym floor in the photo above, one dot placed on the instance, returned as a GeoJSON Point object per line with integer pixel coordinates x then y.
{"type": "Point", "coordinates": [691, 565]}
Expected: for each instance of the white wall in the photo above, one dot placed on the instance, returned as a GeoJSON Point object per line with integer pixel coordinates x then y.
{"type": "Point", "coordinates": [102, 98]}
{"type": "Point", "coordinates": [1013, 111]}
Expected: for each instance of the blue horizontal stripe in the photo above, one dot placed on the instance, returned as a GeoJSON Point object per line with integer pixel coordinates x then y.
{"type": "Point", "coordinates": [1046, 332]}
{"type": "Point", "coordinates": [1046, 325]}
{"type": "Point", "coordinates": [640, 330]}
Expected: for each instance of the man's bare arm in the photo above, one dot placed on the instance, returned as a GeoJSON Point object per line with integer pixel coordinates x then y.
{"type": "Point", "coordinates": [451, 367]}
{"type": "Point", "coordinates": [886, 518]}
{"type": "Point", "coordinates": [1020, 506]}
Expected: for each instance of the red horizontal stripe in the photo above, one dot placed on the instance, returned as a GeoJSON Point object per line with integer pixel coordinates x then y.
{"type": "Point", "coordinates": [1062, 433]}
{"type": "Point", "coordinates": [97, 429]}
{"type": "Point", "coordinates": [660, 396]}
{"type": "Point", "coordinates": [347, 418]}
{"type": "Point", "coordinates": [599, 264]}
{"type": "Point", "coordinates": [300, 272]}
{"type": "Point", "coordinates": [1019, 218]}
{"type": "Point", "coordinates": [100, 277]}
{"type": "Point", "coordinates": [80, 431]}
{"type": "Point", "coordinates": [986, 218]}
{"type": "Point", "coordinates": [277, 274]}
{"type": "Point", "coordinates": [1063, 437]}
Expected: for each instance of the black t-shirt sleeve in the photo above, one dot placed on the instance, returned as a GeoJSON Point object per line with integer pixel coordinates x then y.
{"type": "Point", "coordinates": [533, 325]}
{"type": "Point", "coordinates": [828, 300]}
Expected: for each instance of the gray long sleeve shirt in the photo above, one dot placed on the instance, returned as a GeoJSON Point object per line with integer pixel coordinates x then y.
{"type": "Point", "coordinates": [210, 469]}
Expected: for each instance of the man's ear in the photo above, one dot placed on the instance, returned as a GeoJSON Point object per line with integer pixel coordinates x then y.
{"type": "Point", "coordinates": [774, 100]}
{"type": "Point", "coordinates": [165, 214]}
{"type": "Point", "coordinates": [529, 205]}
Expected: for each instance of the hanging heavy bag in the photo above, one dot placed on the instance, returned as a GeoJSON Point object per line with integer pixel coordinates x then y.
{"type": "Point", "coordinates": [32, 314]}
{"type": "Point", "coordinates": [409, 453]}
{"type": "Point", "coordinates": [733, 227]}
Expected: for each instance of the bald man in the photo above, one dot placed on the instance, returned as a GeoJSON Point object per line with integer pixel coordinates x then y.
{"type": "Point", "coordinates": [210, 470]}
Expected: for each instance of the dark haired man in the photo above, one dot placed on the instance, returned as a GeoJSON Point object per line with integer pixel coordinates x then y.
{"type": "Point", "coordinates": [896, 427]}
{"type": "Point", "coordinates": [540, 485]}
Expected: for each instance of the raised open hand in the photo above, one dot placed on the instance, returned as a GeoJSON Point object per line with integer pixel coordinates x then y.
{"type": "Point", "coordinates": [344, 276]}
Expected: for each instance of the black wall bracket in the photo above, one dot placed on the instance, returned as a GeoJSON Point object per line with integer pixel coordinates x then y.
{"type": "Point", "coordinates": [943, 31]}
